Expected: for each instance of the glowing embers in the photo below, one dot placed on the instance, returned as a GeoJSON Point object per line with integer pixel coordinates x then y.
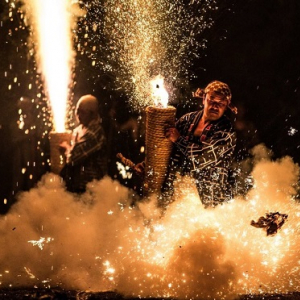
{"type": "Point", "coordinates": [40, 243]}
{"type": "Point", "coordinates": [109, 270]}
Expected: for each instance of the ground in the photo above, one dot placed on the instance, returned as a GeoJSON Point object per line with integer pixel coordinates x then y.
{"type": "Point", "coordinates": [60, 294]}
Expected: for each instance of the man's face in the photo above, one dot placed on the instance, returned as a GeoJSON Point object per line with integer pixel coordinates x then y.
{"type": "Point", "coordinates": [214, 106]}
{"type": "Point", "coordinates": [83, 115]}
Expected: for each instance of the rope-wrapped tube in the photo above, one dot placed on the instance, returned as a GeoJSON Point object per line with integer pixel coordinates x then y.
{"type": "Point", "coordinates": [57, 159]}
{"type": "Point", "coordinates": [157, 147]}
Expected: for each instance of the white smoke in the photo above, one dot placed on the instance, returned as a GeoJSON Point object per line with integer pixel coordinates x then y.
{"type": "Point", "coordinates": [98, 242]}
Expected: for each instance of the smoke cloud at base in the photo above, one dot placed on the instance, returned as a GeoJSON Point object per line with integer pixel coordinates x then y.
{"type": "Point", "coordinates": [98, 242]}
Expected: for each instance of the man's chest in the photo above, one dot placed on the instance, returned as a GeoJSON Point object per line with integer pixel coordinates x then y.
{"type": "Point", "coordinates": [199, 129]}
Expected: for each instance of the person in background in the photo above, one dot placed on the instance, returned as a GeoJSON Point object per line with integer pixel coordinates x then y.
{"type": "Point", "coordinates": [203, 146]}
{"type": "Point", "coordinates": [86, 157]}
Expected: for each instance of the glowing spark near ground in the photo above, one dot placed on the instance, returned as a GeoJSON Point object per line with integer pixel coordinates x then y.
{"type": "Point", "coordinates": [40, 242]}
{"type": "Point", "coordinates": [28, 271]}
{"type": "Point", "coordinates": [51, 26]}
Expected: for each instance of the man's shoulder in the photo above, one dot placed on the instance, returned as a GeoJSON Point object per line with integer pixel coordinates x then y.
{"type": "Point", "coordinates": [78, 130]}
{"type": "Point", "coordinates": [192, 115]}
{"type": "Point", "coordinates": [95, 126]}
{"type": "Point", "coordinates": [94, 131]}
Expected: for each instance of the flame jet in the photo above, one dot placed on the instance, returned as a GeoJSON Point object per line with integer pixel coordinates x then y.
{"type": "Point", "coordinates": [51, 22]}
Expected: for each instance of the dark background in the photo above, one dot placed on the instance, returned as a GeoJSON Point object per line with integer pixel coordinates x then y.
{"type": "Point", "coordinates": [253, 46]}
{"type": "Point", "coordinates": [256, 50]}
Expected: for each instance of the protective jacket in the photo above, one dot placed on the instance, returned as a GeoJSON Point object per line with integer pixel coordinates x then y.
{"type": "Point", "coordinates": [206, 158]}
{"type": "Point", "coordinates": [87, 159]}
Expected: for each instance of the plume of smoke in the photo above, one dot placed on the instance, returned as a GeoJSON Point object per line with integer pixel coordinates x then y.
{"type": "Point", "coordinates": [97, 241]}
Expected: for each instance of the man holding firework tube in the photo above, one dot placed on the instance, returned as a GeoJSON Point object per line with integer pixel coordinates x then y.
{"type": "Point", "coordinates": [86, 156]}
{"type": "Point", "coordinates": [203, 145]}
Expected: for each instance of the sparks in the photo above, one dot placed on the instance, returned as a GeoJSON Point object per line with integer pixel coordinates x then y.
{"type": "Point", "coordinates": [40, 242]}
{"type": "Point", "coordinates": [54, 51]}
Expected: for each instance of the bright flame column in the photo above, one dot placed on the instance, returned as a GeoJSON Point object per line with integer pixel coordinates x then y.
{"type": "Point", "coordinates": [158, 147]}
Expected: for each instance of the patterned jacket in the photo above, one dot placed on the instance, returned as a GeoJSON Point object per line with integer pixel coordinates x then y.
{"type": "Point", "coordinates": [87, 158]}
{"type": "Point", "coordinates": [206, 158]}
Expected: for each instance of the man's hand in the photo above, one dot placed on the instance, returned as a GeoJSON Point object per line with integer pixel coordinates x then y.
{"type": "Point", "coordinates": [139, 169]}
{"type": "Point", "coordinates": [172, 134]}
{"type": "Point", "coordinates": [64, 147]}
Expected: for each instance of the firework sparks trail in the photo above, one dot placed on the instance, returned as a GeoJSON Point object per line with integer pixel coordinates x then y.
{"type": "Point", "coordinates": [144, 39]}
{"type": "Point", "coordinates": [133, 40]}
{"type": "Point", "coordinates": [52, 36]}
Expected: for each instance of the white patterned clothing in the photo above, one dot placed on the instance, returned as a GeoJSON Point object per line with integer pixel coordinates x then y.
{"type": "Point", "coordinates": [206, 158]}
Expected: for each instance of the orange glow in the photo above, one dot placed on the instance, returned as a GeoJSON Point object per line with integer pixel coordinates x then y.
{"type": "Point", "coordinates": [51, 20]}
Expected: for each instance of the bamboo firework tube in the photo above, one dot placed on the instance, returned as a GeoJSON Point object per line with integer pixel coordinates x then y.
{"type": "Point", "coordinates": [158, 147]}
{"type": "Point", "coordinates": [57, 159]}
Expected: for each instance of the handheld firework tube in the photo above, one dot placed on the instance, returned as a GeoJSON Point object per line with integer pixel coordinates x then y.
{"type": "Point", "coordinates": [57, 159]}
{"type": "Point", "coordinates": [158, 147]}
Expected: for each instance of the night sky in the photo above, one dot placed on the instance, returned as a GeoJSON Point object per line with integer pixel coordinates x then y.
{"type": "Point", "coordinates": [256, 51]}
{"type": "Point", "coordinates": [253, 46]}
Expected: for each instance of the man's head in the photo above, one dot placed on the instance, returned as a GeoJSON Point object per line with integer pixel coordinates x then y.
{"type": "Point", "coordinates": [87, 109]}
{"type": "Point", "coordinates": [216, 98]}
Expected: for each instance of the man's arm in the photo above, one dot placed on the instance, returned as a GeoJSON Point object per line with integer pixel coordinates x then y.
{"type": "Point", "coordinates": [183, 126]}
